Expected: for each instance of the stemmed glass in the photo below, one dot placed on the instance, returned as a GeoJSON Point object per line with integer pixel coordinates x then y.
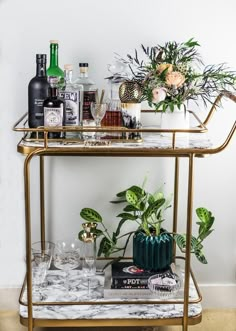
{"type": "Point", "coordinates": [89, 265]}
{"type": "Point", "coordinates": [42, 252]}
{"type": "Point", "coordinates": [40, 265]}
{"type": "Point", "coordinates": [89, 255]}
{"type": "Point", "coordinates": [98, 111]}
{"type": "Point", "coordinates": [67, 257]}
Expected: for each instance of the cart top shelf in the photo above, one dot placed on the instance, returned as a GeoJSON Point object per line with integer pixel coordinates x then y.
{"type": "Point", "coordinates": [120, 141]}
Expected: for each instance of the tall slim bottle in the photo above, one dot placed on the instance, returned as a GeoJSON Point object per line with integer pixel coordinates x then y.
{"type": "Point", "coordinates": [54, 69]}
{"type": "Point", "coordinates": [37, 93]}
{"type": "Point", "coordinates": [54, 108]}
{"type": "Point", "coordinates": [89, 90]}
{"type": "Point", "coordinates": [72, 94]}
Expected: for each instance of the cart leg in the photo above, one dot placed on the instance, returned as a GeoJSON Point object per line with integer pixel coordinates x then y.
{"type": "Point", "coordinates": [42, 201]}
{"type": "Point", "coordinates": [28, 240]}
{"type": "Point", "coordinates": [188, 241]}
{"type": "Point", "coordinates": [176, 198]}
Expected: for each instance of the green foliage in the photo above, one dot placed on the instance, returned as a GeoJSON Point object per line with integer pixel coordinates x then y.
{"type": "Point", "coordinates": [205, 224]}
{"type": "Point", "coordinates": [144, 208]}
{"type": "Point", "coordinates": [90, 215]}
{"type": "Point", "coordinates": [176, 71]}
{"type": "Point", "coordinates": [146, 212]}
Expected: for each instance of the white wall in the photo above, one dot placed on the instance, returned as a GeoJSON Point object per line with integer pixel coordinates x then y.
{"type": "Point", "coordinates": [92, 31]}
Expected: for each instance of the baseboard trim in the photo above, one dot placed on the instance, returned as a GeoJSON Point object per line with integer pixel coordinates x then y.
{"type": "Point", "coordinates": [9, 298]}
{"type": "Point", "coordinates": [214, 296]}
{"type": "Point", "coordinates": [218, 295]}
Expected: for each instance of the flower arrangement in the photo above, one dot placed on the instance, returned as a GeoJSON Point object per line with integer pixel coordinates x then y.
{"type": "Point", "coordinates": [174, 73]}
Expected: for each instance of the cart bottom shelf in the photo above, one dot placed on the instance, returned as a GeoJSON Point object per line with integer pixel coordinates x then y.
{"type": "Point", "coordinates": [112, 315]}
{"type": "Point", "coordinates": [111, 322]}
{"type": "Point", "coordinates": [119, 313]}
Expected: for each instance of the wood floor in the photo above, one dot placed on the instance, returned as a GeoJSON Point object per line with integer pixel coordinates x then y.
{"type": "Point", "coordinates": [213, 320]}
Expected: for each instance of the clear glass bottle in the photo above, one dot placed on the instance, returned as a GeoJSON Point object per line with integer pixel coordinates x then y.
{"type": "Point", "coordinates": [54, 69]}
{"type": "Point", "coordinates": [89, 90]}
{"type": "Point", "coordinates": [113, 116]}
{"type": "Point", "coordinates": [37, 93]}
{"type": "Point", "coordinates": [54, 108]}
{"type": "Point", "coordinates": [72, 94]}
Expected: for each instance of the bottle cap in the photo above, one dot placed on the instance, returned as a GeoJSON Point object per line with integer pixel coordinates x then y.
{"type": "Point", "coordinates": [68, 67]}
{"type": "Point", "coordinates": [83, 64]}
{"type": "Point", "coordinates": [41, 58]}
{"type": "Point", "coordinates": [53, 41]}
{"type": "Point", "coordinates": [53, 80]}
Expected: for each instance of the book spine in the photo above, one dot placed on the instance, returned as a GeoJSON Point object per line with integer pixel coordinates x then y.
{"type": "Point", "coordinates": [125, 283]}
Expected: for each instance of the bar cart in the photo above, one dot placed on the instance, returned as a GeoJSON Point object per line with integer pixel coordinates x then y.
{"type": "Point", "coordinates": [114, 312]}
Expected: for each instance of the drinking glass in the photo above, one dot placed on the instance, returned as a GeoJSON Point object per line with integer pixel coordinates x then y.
{"type": "Point", "coordinates": [89, 255]}
{"type": "Point", "coordinates": [98, 111]}
{"type": "Point", "coordinates": [43, 247]}
{"type": "Point", "coordinates": [42, 253]}
{"type": "Point", "coordinates": [67, 257]}
{"type": "Point", "coordinates": [40, 265]}
{"type": "Point", "coordinates": [89, 265]}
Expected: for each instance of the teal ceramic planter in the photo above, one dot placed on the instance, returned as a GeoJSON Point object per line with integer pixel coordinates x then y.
{"type": "Point", "coordinates": [152, 253]}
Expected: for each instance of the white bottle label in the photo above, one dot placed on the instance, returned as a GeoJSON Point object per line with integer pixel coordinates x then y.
{"type": "Point", "coordinates": [53, 116]}
{"type": "Point", "coordinates": [72, 100]}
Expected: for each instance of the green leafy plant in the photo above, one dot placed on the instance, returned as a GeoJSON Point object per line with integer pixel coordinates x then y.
{"type": "Point", "coordinates": [174, 73]}
{"type": "Point", "coordinates": [206, 220]}
{"type": "Point", "coordinates": [146, 212]}
{"type": "Point", "coordinates": [144, 208]}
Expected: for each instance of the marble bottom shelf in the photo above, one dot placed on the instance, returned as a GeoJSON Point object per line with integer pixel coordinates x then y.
{"type": "Point", "coordinates": [102, 312]}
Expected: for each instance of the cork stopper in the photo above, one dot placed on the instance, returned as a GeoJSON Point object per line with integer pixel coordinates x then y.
{"type": "Point", "coordinates": [68, 67]}
{"type": "Point", "coordinates": [53, 41]}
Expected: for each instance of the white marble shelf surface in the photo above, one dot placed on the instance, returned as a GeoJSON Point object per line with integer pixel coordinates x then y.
{"type": "Point", "coordinates": [54, 290]}
{"type": "Point", "coordinates": [149, 140]}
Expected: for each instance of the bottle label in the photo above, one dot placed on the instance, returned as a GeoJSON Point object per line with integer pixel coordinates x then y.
{"type": "Point", "coordinates": [53, 116]}
{"type": "Point", "coordinates": [89, 97]}
{"type": "Point", "coordinates": [38, 109]}
{"type": "Point", "coordinates": [72, 100]}
{"type": "Point", "coordinates": [38, 102]}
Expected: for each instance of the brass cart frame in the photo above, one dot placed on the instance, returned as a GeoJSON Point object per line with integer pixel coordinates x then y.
{"type": "Point", "coordinates": [107, 151]}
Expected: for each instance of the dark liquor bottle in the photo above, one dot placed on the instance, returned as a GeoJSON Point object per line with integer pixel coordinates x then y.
{"type": "Point", "coordinates": [54, 69]}
{"type": "Point", "coordinates": [37, 93]}
{"type": "Point", "coordinates": [54, 108]}
{"type": "Point", "coordinates": [89, 90]}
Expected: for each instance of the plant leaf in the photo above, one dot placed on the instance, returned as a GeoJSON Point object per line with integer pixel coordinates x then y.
{"type": "Point", "coordinates": [127, 216]}
{"type": "Point", "coordinates": [122, 221]}
{"type": "Point", "coordinates": [181, 241]}
{"type": "Point", "coordinates": [105, 247]}
{"type": "Point", "coordinates": [152, 209]}
{"type": "Point", "coordinates": [130, 208]}
{"type": "Point", "coordinates": [80, 235]}
{"type": "Point", "coordinates": [98, 233]}
{"type": "Point", "coordinates": [91, 215]}
{"type": "Point", "coordinates": [131, 197]}
{"type": "Point", "coordinates": [200, 256]}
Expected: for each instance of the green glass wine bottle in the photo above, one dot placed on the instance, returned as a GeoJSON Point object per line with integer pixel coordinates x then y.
{"type": "Point", "coordinates": [54, 69]}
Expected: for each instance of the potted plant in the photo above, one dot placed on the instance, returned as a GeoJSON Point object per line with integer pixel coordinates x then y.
{"type": "Point", "coordinates": [152, 244]}
{"type": "Point", "coordinates": [173, 74]}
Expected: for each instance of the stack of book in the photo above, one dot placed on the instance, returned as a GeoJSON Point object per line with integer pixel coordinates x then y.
{"type": "Point", "coordinates": [125, 280]}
